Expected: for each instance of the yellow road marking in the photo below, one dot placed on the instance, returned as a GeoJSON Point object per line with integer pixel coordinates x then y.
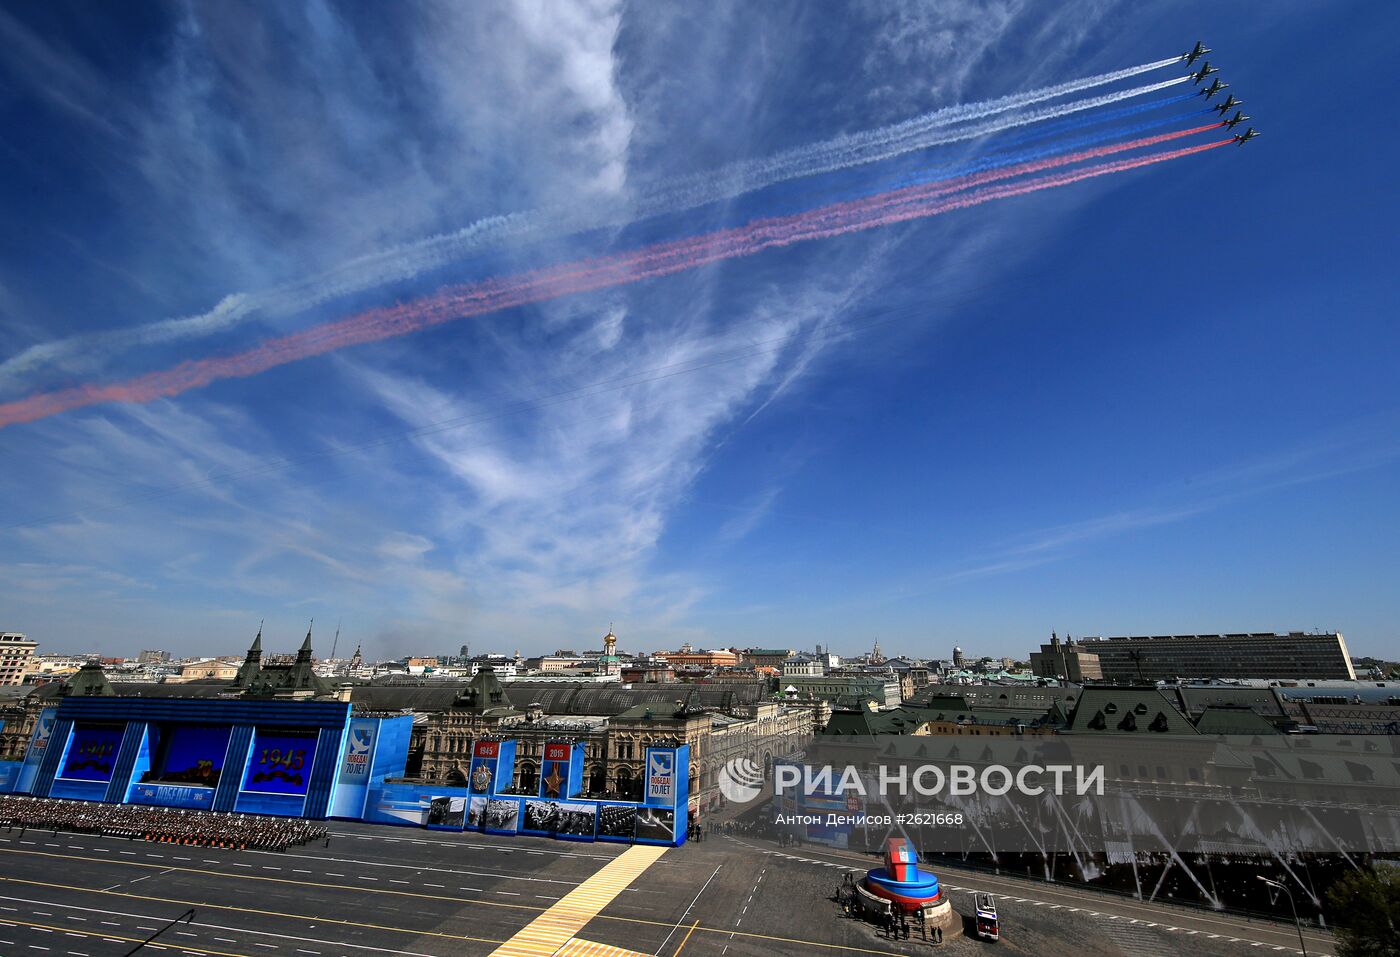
{"type": "Point", "coordinates": [402, 930]}
{"type": "Point", "coordinates": [192, 948]}
{"type": "Point", "coordinates": [169, 868]}
{"type": "Point", "coordinates": [578, 947]}
{"type": "Point", "coordinates": [686, 938]}
{"type": "Point", "coordinates": [548, 934]}
{"type": "Point", "coordinates": [250, 910]}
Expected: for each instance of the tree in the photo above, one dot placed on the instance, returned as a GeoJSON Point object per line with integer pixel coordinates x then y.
{"type": "Point", "coordinates": [1364, 908]}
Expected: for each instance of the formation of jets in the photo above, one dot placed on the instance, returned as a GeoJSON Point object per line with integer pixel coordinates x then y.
{"type": "Point", "coordinates": [1225, 106]}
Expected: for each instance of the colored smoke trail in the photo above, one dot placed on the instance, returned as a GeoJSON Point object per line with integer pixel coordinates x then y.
{"type": "Point", "coordinates": [409, 260]}
{"type": "Point", "coordinates": [582, 276]}
{"type": "Point", "coordinates": [1103, 116]}
{"type": "Point", "coordinates": [1015, 101]}
{"type": "Point", "coordinates": [806, 189]}
{"type": "Point", "coordinates": [810, 161]}
{"type": "Point", "coordinates": [1000, 160]}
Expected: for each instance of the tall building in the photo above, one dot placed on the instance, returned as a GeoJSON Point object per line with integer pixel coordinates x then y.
{"type": "Point", "coordinates": [1066, 661]}
{"type": "Point", "coordinates": [1294, 655]}
{"type": "Point", "coordinates": [15, 652]}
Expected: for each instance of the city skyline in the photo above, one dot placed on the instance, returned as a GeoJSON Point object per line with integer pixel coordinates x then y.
{"type": "Point", "coordinates": [344, 651]}
{"type": "Point", "coordinates": [974, 429]}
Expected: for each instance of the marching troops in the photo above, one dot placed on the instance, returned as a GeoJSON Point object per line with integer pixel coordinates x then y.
{"type": "Point", "coordinates": [161, 825]}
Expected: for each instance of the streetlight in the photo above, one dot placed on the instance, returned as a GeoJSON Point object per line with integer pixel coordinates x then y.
{"type": "Point", "coordinates": [1296, 922]}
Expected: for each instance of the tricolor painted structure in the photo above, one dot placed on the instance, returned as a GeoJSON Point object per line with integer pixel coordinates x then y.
{"type": "Point", "coordinates": [555, 808]}
{"type": "Point", "coordinates": [900, 881]}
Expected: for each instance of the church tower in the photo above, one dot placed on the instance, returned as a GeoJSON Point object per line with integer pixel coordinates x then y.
{"type": "Point", "coordinates": [608, 664]}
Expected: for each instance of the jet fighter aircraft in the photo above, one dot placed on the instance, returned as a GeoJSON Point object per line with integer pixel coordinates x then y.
{"type": "Point", "coordinates": [1213, 89]}
{"type": "Point", "coordinates": [1195, 53]}
{"type": "Point", "coordinates": [1229, 104]}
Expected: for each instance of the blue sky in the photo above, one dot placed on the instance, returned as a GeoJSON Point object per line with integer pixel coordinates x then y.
{"type": "Point", "coordinates": [1156, 402]}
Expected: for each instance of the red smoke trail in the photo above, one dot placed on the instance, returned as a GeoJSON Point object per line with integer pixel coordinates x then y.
{"type": "Point", "coordinates": [661, 259]}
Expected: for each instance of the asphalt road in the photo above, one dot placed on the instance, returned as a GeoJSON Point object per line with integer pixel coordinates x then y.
{"type": "Point", "coordinates": [401, 891]}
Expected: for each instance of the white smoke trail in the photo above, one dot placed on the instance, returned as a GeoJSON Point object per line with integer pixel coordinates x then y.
{"type": "Point", "coordinates": [767, 173]}
{"type": "Point", "coordinates": [408, 260]}
{"type": "Point", "coordinates": [819, 156]}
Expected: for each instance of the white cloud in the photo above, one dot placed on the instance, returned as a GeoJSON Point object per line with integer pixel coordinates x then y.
{"type": "Point", "coordinates": [520, 527]}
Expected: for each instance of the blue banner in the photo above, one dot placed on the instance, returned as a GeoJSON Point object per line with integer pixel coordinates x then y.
{"type": "Point", "coordinates": [561, 771]}
{"type": "Point", "coordinates": [9, 775]}
{"type": "Point", "coordinates": [359, 751]}
{"type": "Point", "coordinates": [38, 746]}
{"type": "Point", "coordinates": [172, 795]}
{"type": "Point", "coordinates": [493, 766]}
{"type": "Point", "coordinates": [92, 753]}
{"type": "Point", "coordinates": [667, 777]}
{"type": "Point", "coordinates": [192, 754]}
{"type": "Point", "coordinates": [280, 763]}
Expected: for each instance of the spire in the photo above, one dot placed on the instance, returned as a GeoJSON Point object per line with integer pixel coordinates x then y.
{"type": "Point", "coordinates": [305, 650]}
{"type": "Point", "coordinates": [252, 663]}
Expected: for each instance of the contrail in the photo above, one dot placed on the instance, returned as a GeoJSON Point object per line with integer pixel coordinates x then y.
{"type": "Point", "coordinates": [831, 161]}
{"type": "Point", "coordinates": [999, 160]}
{"type": "Point", "coordinates": [1046, 130]}
{"type": "Point", "coordinates": [587, 275]}
{"type": "Point", "coordinates": [409, 260]}
{"type": "Point", "coordinates": [1032, 133]}
{"type": "Point", "coordinates": [918, 133]}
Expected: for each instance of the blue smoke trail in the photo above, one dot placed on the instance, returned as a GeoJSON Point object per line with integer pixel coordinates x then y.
{"type": "Point", "coordinates": [904, 178]}
{"type": "Point", "coordinates": [840, 182]}
{"type": "Point", "coordinates": [1105, 116]}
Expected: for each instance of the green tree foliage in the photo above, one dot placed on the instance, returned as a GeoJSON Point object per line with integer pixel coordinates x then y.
{"type": "Point", "coordinates": [1364, 909]}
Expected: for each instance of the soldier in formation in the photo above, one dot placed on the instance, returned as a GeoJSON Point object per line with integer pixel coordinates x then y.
{"type": "Point", "coordinates": [160, 824]}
